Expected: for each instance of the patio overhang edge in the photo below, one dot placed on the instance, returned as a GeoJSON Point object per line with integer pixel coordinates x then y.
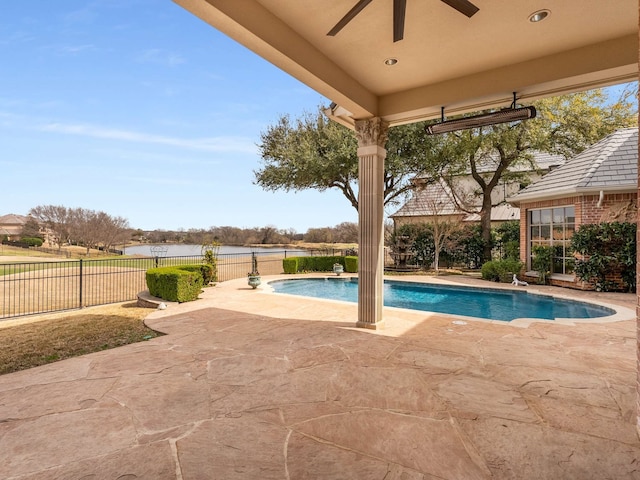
{"type": "Point", "coordinates": [593, 66]}
{"type": "Point", "coordinates": [254, 27]}
{"type": "Point", "coordinates": [251, 24]}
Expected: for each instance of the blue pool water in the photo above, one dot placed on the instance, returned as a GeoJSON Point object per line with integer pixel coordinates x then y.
{"type": "Point", "coordinates": [486, 303]}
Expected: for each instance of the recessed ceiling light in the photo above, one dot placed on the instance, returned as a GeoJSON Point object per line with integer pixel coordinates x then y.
{"type": "Point", "coordinates": [539, 16]}
{"type": "Point", "coordinates": [391, 61]}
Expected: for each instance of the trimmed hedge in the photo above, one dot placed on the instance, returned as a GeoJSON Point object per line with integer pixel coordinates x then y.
{"type": "Point", "coordinates": [32, 241]}
{"type": "Point", "coordinates": [290, 265]}
{"type": "Point", "coordinates": [351, 264]}
{"type": "Point", "coordinates": [319, 264]}
{"type": "Point", "coordinates": [176, 284]}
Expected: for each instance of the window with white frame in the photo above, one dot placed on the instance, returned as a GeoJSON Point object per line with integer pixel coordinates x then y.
{"type": "Point", "coordinates": [553, 227]}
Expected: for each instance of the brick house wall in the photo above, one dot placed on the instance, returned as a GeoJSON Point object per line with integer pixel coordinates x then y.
{"type": "Point", "coordinates": [614, 207]}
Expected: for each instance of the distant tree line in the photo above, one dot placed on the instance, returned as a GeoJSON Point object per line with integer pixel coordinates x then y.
{"type": "Point", "coordinates": [345, 232]}
{"type": "Point", "coordinates": [59, 225]}
{"type": "Point", "coordinates": [77, 226]}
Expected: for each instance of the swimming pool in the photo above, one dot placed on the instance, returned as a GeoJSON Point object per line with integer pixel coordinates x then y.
{"type": "Point", "coordinates": [487, 303]}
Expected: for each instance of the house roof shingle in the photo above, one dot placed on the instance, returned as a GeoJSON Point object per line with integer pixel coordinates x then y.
{"type": "Point", "coordinates": [437, 199]}
{"type": "Point", "coordinates": [610, 165]}
{"type": "Point", "coordinates": [434, 199]}
{"type": "Point", "coordinates": [13, 219]}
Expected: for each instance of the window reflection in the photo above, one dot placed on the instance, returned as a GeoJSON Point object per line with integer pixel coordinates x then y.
{"type": "Point", "coordinates": [553, 227]}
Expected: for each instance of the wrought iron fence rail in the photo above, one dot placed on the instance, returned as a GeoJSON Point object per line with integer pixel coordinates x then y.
{"type": "Point", "coordinates": [44, 287]}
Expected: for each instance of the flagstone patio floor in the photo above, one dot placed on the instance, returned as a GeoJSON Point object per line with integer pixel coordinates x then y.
{"type": "Point", "coordinates": [247, 384]}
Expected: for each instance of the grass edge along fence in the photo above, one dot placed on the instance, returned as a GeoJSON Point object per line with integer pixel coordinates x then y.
{"type": "Point", "coordinates": [30, 288]}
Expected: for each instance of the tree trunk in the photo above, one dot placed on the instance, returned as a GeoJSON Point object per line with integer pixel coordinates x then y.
{"type": "Point", "coordinates": [485, 224]}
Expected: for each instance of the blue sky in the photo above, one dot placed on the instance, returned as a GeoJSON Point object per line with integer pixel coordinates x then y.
{"type": "Point", "coordinates": [139, 109]}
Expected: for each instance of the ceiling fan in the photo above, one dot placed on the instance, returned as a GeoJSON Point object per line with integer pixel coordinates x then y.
{"type": "Point", "coordinates": [399, 9]}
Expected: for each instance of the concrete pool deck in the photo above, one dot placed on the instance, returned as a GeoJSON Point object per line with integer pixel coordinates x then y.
{"type": "Point", "coordinates": [252, 385]}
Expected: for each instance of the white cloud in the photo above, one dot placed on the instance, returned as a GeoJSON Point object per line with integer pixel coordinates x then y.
{"type": "Point", "coordinates": [210, 144]}
{"type": "Point", "coordinates": [160, 57]}
{"type": "Point", "coordinates": [73, 49]}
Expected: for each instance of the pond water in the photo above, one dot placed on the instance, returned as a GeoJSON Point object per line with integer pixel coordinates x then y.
{"type": "Point", "coordinates": [184, 250]}
{"type": "Point", "coordinates": [487, 303]}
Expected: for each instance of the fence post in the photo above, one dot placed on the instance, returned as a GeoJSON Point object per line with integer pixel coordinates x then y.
{"type": "Point", "coordinates": [254, 262]}
{"type": "Point", "coordinates": [80, 295]}
{"type": "Point", "coordinates": [156, 258]}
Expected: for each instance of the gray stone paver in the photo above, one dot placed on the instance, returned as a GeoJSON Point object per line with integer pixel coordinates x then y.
{"type": "Point", "coordinates": [252, 385]}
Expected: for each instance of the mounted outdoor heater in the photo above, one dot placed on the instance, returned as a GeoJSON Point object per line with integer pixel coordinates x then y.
{"type": "Point", "coordinates": [511, 114]}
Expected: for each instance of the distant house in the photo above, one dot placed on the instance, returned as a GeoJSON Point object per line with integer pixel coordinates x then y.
{"type": "Point", "coordinates": [598, 185]}
{"type": "Point", "coordinates": [437, 199]}
{"type": "Point", "coordinates": [11, 226]}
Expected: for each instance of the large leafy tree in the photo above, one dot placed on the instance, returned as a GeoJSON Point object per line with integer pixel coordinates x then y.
{"type": "Point", "coordinates": [565, 125]}
{"type": "Point", "coordinates": [313, 152]}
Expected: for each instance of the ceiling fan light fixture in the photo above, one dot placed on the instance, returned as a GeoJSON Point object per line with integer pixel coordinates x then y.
{"type": "Point", "coordinates": [399, 12]}
{"type": "Point", "coordinates": [538, 16]}
{"type": "Point", "coordinates": [390, 61]}
{"type": "Point", "coordinates": [486, 119]}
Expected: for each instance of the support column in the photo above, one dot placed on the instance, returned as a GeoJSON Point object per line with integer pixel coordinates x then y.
{"type": "Point", "coordinates": [372, 136]}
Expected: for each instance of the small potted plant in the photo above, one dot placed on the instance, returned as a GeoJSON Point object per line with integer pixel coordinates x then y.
{"type": "Point", "coordinates": [338, 268]}
{"type": "Point", "coordinates": [254, 279]}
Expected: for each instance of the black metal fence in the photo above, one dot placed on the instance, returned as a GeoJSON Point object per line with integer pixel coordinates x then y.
{"type": "Point", "coordinates": [51, 286]}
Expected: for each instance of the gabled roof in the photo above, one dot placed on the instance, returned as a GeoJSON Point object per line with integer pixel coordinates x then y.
{"type": "Point", "coordinates": [434, 199]}
{"type": "Point", "coordinates": [499, 213]}
{"type": "Point", "coordinates": [609, 165]}
{"type": "Point", "coordinates": [437, 199]}
{"type": "Point", "coordinates": [540, 161]}
{"type": "Point", "coordinates": [13, 219]}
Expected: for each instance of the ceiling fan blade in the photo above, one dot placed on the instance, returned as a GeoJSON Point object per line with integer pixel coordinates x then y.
{"type": "Point", "coordinates": [399, 11]}
{"type": "Point", "coordinates": [463, 6]}
{"type": "Point", "coordinates": [357, 8]}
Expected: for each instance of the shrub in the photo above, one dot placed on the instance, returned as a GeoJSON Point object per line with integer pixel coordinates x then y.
{"type": "Point", "coordinates": [210, 260]}
{"type": "Point", "coordinates": [419, 238]}
{"type": "Point", "coordinates": [319, 264]}
{"type": "Point", "coordinates": [542, 262]}
{"type": "Point", "coordinates": [511, 249]}
{"type": "Point", "coordinates": [609, 249]}
{"type": "Point", "coordinates": [208, 272]}
{"type": "Point", "coordinates": [175, 284]}
{"type": "Point", "coordinates": [508, 239]}
{"type": "Point", "coordinates": [351, 264]}
{"type": "Point", "coordinates": [466, 246]}
{"type": "Point", "coordinates": [32, 241]}
{"type": "Point", "coordinates": [290, 265]}
{"type": "Point", "coordinates": [501, 270]}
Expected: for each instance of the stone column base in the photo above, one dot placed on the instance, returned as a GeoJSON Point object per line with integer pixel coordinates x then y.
{"type": "Point", "coordinates": [371, 326]}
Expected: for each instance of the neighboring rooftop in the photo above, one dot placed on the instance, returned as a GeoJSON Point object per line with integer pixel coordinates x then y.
{"type": "Point", "coordinates": [13, 219]}
{"type": "Point", "coordinates": [434, 199]}
{"type": "Point", "coordinates": [540, 161]}
{"type": "Point", "coordinates": [437, 198]}
{"type": "Point", "coordinates": [609, 165]}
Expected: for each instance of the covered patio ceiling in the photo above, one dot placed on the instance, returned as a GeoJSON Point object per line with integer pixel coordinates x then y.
{"type": "Point", "coordinates": [445, 58]}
